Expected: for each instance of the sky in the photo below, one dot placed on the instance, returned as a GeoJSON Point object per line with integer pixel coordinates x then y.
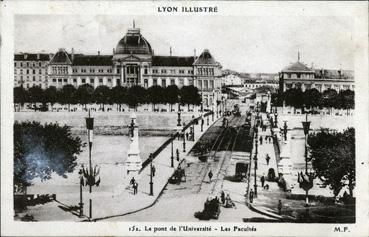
{"type": "Point", "coordinates": [242, 43]}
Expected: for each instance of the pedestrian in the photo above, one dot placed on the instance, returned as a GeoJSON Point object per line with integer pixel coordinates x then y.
{"type": "Point", "coordinates": [251, 195]}
{"type": "Point", "coordinates": [261, 140]}
{"type": "Point", "coordinates": [132, 181]}
{"type": "Point", "coordinates": [262, 180]}
{"type": "Point", "coordinates": [135, 187]}
{"type": "Point", "coordinates": [222, 197]}
{"type": "Point", "coordinates": [187, 136]}
{"type": "Point", "coordinates": [153, 169]}
{"type": "Point", "coordinates": [279, 207]}
{"type": "Point", "coordinates": [210, 175]}
{"type": "Point", "coordinates": [267, 158]}
{"type": "Point", "coordinates": [270, 139]}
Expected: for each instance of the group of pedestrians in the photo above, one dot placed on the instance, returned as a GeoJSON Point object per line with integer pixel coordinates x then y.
{"type": "Point", "coordinates": [266, 139]}
{"type": "Point", "coordinates": [134, 184]}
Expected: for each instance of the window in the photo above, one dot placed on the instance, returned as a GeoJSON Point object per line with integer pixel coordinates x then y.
{"type": "Point", "coordinates": [154, 82]}
{"type": "Point", "coordinates": [65, 80]}
{"type": "Point", "coordinates": [100, 80]}
{"type": "Point", "coordinates": [212, 85]}
{"type": "Point", "coordinates": [172, 82]}
{"type": "Point", "coordinates": [101, 70]}
{"type": "Point", "coordinates": [83, 80]}
{"type": "Point", "coordinates": [39, 71]}
{"type": "Point", "coordinates": [118, 70]}
{"type": "Point", "coordinates": [54, 80]}
{"type": "Point", "coordinates": [59, 80]}
{"type": "Point", "coordinates": [163, 71]}
{"type": "Point", "coordinates": [39, 64]}
{"type": "Point", "coordinates": [154, 70]}
{"type": "Point", "coordinates": [173, 71]}
{"type": "Point", "coordinates": [92, 80]}
{"type": "Point", "coordinates": [199, 83]}
{"type": "Point", "coordinates": [74, 80]}
{"type": "Point", "coordinates": [34, 71]}
{"type": "Point", "coordinates": [15, 64]}
{"type": "Point", "coordinates": [21, 64]}
{"type": "Point", "coordinates": [74, 70]}
{"type": "Point", "coordinates": [181, 71]}
{"type": "Point", "coordinates": [190, 71]}
{"type": "Point", "coordinates": [27, 71]}
{"type": "Point", "coordinates": [145, 71]}
{"type": "Point", "coordinates": [27, 64]}
{"type": "Point", "coordinates": [146, 83]}
{"type": "Point", "coordinates": [34, 78]}
{"type": "Point", "coordinates": [109, 80]}
{"type": "Point", "coordinates": [163, 82]}
{"type": "Point", "coordinates": [206, 85]}
{"type": "Point", "coordinates": [92, 70]}
{"type": "Point", "coordinates": [21, 71]}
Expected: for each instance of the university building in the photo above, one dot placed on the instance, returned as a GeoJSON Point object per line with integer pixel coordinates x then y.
{"type": "Point", "coordinates": [298, 75]}
{"type": "Point", "coordinates": [133, 63]}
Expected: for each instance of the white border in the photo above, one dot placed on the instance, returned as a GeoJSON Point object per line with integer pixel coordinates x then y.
{"type": "Point", "coordinates": [356, 10]}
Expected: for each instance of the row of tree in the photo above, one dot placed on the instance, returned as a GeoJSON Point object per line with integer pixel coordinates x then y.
{"type": "Point", "coordinates": [86, 94]}
{"type": "Point", "coordinates": [333, 158]}
{"type": "Point", "coordinates": [312, 98]}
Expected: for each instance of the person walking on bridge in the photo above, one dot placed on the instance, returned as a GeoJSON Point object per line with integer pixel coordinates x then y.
{"type": "Point", "coordinates": [210, 175]}
{"type": "Point", "coordinates": [267, 158]}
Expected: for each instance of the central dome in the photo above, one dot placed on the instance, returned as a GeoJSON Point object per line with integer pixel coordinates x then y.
{"type": "Point", "coordinates": [133, 43]}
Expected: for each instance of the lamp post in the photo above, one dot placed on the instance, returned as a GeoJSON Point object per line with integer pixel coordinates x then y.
{"type": "Point", "coordinates": [202, 123]}
{"type": "Point", "coordinates": [179, 118]}
{"type": "Point", "coordinates": [306, 182]}
{"type": "Point", "coordinates": [184, 137]}
{"type": "Point", "coordinates": [275, 119]}
{"type": "Point", "coordinates": [256, 163]}
{"type": "Point", "coordinates": [90, 127]}
{"type": "Point", "coordinates": [171, 156]}
{"type": "Point", "coordinates": [207, 120]}
{"type": "Point", "coordinates": [151, 181]}
{"type": "Point", "coordinates": [80, 192]}
{"type": "Point", "coordinates": [285, 127]}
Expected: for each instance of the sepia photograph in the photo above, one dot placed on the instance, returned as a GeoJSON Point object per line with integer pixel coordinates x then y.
{"type": "Point", "coordinates": [200, 117]}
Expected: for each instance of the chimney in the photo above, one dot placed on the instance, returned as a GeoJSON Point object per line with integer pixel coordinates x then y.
{"type": "Point", "coordinates": [170, 51]}
{"type": "Point", "coordinates": [98, 52]}
{"type": "Point", "coordinates": [38, 56]}
{"type": "Point", "coordinates": [72, 54]}
{"type": "Point", "coordinates": [25, 55]}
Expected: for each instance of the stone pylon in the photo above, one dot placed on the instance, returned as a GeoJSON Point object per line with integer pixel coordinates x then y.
{"type": "Point", "coordinates": [133, 162]}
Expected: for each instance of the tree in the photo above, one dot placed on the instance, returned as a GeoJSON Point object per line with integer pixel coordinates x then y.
{"type": "Point", "coordinates": [333, 158]}
{"type": "Point", "coordinates": [84, 94]}
{"type": "Point", "coordinates": [67, 95]}
{"type": "Point", "coordinates": [102, 96]}
{"type": "Point", "coordinates": [136, 95]}
{"type": "Point", "coordinates": [119, 95]}
{"type": "Point", "coordinates": [36, 95]}
{"type": "Point", "coordinates": [346, 99]}
{"type": "Point", "coordinates": [330, 98]}
{"type": "Point", "coordinates": [20, 95]}
{"type": "Point", "coordinates": [276, 99]}
{"type": "Point", "coordinates": [51, 95]}
{"type": "Point", "coordinates": [312, 98]}
{"type": "Point", "coordinates": [190, 95]}
{"type": "Point", "coordinates": [41, 150]}
{"type": "Point", "coordinates": [155, 95]}
{"type": "Point", "coordinates": [293, 97]}
{"type": "Point", "coordinates": [171, 94]}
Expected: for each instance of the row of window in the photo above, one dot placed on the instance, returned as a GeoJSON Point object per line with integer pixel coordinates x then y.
{"type": "Point", "coordinates": [27, 64]}
{"type": "Point", "coordinates": [205, 85]}
{"type": "Point", "coordinates": [92, 70]}
{"type": "Point", "coordinates": [83, 80]}
{"type": "Point", "coordinates": [170, 71]}
{"type": "Point", "coordinates": [34, 78]}
{"type": "Point", "coordinates": [320, 87]}
{"type": "Point", "coordinates": [28, 71]}
{"type": "Point", "coordinates": [205, 71]}
{"type": "Point", "coordinates": [295, 75]}
{"type": "Point", "coordinates": [59, 69]}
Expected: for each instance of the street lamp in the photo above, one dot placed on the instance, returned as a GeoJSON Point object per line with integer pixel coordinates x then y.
{"type": "Point", "coordinates": [184, 138]}
{"type": "Point", "coordinates": [275, 118]}
{"type": "Point", "coordinates": [151, 183]}
{"type": "Point", "coordinates": [81, 182]}
{"type": "Point", "coordinates": [207, 120]}
{"type": "Point", "coordinates": [256, 163]}
{"type": "Point", "coordinates": [202, 123]}
{"type": "Point", "coordinates": [171, 156]}
{"type": "Point", "coordinates": [90, 127]}
{"type": "Point", "coordinates": [285, 127]}
{"type": "Point", "coordinates": [179, 118]}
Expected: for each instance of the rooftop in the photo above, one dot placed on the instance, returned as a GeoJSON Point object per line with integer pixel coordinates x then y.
{"type": "Point", "coordinates": [172, 61]}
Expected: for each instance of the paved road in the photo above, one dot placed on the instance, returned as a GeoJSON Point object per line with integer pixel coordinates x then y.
{"type": "Point", "coordinates": [179, 202]}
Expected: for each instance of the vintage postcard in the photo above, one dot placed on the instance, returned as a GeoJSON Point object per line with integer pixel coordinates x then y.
{"type": "Point", "coordinates": [184, 118]}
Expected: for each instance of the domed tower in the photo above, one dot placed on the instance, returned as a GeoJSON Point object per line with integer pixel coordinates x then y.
{"type": "Point", "coordinates": [132, 57]}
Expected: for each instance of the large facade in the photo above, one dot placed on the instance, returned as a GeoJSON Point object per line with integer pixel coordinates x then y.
{"type": "Point", "coordinates": [133, 63]}
{"type": "Point", "coordinates": [298, 75]}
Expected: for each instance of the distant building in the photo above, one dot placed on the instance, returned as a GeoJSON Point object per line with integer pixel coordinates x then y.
{"type": "Point", "coordinates": [231, 79]}
{"type": "Point", "coordinates": [133, 63]}
{"type": "Point", "coordinates": [298, 75]}
{"type": "Point", "coordinates": [30, 70]}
